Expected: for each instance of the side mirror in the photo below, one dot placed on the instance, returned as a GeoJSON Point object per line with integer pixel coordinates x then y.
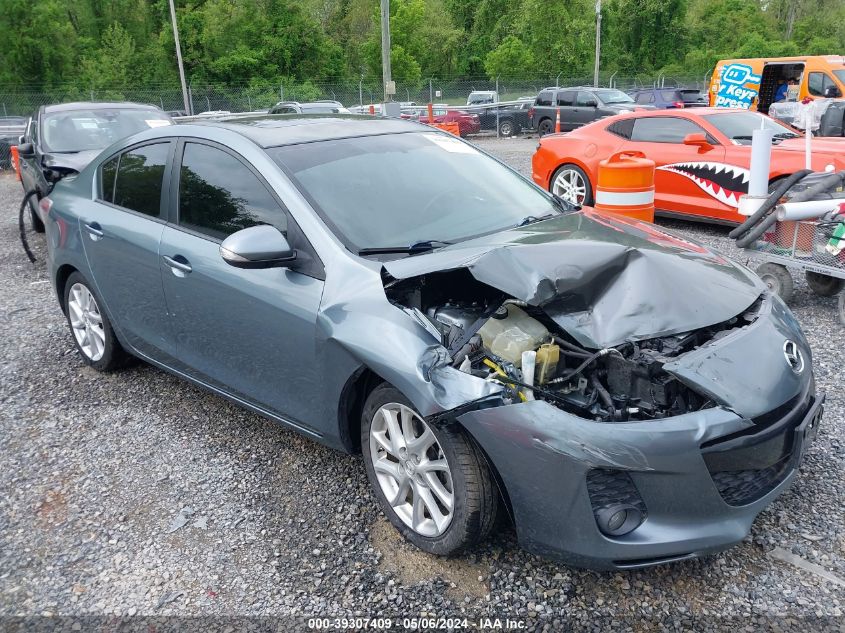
{"type": "Point", "coordinates": [832, 92]}
{"type": "Point", "coordinates": [26, 150]}
{"type": "Point", "coordinates": [698, 139]}
{"type": "Point", "coordinates": [261, 246]}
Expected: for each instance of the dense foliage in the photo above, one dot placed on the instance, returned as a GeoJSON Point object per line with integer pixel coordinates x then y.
{"type": "Point", "coordinates": [95, 44]}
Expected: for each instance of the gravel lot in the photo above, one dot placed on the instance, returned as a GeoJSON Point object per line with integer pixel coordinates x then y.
{"type": "Point", "coordinates": [136, 493]}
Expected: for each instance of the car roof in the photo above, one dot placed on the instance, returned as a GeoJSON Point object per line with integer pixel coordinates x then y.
{"type": "Point", "coordinates": [683, 112]}
{"type": "Point", "coordinates": [90, 105]}
{"type": "Point", "coordinates": [272, 130]}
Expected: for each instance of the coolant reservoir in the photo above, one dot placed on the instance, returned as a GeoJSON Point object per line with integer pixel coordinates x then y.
{"type": "Point", "coordinates": [510, 332]}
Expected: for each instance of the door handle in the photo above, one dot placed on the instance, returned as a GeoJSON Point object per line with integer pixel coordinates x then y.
{"type": "Point", "coordinates": [177, 267]}
{"type": "Point", "coordinates": [94, 230]}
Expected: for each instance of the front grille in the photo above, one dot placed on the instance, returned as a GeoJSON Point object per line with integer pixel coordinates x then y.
{"type": "Point", "coordinates": [741, 487]}
{"type": "Point", "coordinates": [608, 487]}
{"type": "Point", "coordinates": [746, 466]}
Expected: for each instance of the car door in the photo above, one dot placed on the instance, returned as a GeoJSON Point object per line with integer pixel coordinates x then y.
{"type": "Point", "coordinates": [586, 108]}
{"type": "Point", "coordinates": [121, 230]}
{"type": "Point", "coordinates": [686, 174]}
{"type": "Point", "coordinates": [31, 175]}
{"type": "Point", "coordinates": [248, 332]}
{"type": "Point", "coordinates": [565, 102]}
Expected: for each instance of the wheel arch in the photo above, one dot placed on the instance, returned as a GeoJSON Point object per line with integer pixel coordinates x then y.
{"type": "Point", "coordinates": [62, 274]}
{"type": "Point", "coordinates": [351, 406]}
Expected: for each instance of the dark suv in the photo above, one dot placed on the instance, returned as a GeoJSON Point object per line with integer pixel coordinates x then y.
{"type": "Point", "coordinates": [578, 106]}
{"type": "Point", "coordinates": [667, 98]}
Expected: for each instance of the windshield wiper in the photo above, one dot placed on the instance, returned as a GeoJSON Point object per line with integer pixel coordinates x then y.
{"type": "Point", "coordinates": [786, 135]}
{"type": "Point", "coordinates": [421, 246]}
{"type": "Point", "coordinates": [531, 219]}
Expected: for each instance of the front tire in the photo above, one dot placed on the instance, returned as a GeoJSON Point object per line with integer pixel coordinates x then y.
{"type": "Point", "coordinates": [431, 481]}
{"type": "Point", "coordinates": [92, 332]}
{"type": "Point", "coordinates": [507, 128]}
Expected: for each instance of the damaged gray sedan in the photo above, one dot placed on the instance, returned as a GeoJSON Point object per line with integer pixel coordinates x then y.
{"type": "Point", "coordinates": [627, 396]}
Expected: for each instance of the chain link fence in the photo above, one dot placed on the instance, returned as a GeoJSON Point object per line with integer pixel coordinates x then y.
{"type": "Point", "coordinates": [261, 95]}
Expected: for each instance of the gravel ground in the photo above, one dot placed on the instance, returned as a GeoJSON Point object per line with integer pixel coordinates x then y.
{"type": "Point", "coordinates": [137, 494]}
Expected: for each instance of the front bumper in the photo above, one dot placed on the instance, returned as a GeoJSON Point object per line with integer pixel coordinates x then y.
{"type": "Point", "coordinates": [701, 478]}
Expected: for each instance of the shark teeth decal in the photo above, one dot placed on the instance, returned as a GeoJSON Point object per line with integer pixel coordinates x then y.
{"type": "Point", "coordinates": [725, 183]}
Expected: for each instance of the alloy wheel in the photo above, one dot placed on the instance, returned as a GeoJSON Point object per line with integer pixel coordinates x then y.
{"type": "Point", "coordinates": [86, 322]}
{"type": "Point", "coordinates": [570, 186]}
{"type": "Point", "coordinates": [411, 469]}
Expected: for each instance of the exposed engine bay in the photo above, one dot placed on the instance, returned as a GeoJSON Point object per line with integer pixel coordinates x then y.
{"type": "Point", "coordinates": [501, 339]}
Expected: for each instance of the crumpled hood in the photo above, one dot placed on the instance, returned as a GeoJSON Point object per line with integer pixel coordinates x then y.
{"type": "Point", "coordinates": [603, 279]}
{"type": "Point", "coordinates": [76, 161]}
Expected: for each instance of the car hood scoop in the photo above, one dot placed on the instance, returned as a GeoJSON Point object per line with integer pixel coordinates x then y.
{"type": "Point", "coordinates": [603, 279]}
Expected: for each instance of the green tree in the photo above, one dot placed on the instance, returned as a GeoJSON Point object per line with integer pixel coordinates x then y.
{"type": "Point", "coordinates": [511, 58]}
{"type": "Point", "coordinates": [111, 65]}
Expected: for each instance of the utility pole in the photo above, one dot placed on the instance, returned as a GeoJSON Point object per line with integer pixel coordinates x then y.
{"type": "Point", "coordinates": [598, 44]}
{"type": "Point", "coordinates": [188, 109]}
{"type": "Point", "coordinates": [385, 49]}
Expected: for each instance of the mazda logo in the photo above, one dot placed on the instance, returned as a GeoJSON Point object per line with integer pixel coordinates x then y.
{"type": "Point", "coordinates": [793, 355]}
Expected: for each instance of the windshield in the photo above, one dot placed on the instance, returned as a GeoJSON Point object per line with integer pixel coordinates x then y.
{"type": "Point", "coordinates": [840, 75]}
{"type": "Point", "coordinates": [614, 96]}
{"type": "Point", "coordinates": [396, 190]}
{"type": "Point", "coordinates": [80, 130]}
{"type": "Point", "coordinates": [738, 126]}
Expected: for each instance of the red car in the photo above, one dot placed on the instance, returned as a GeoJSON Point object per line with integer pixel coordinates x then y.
{"type": "Point", "coordinates": [467, 123]}
{"type": "Point", "coordinates": [702, 157]}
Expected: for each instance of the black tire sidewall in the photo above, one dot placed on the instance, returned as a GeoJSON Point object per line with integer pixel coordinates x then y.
{"type": "Point", "coordinates": [823, 285]}
{"type": "Point", "coordinates": [456, 536]}
{"type": "Point", "coordinates": [506, 128]}
{"type": "Point", "coordinates": [588, 194]}
{"type": "Point", "coordinates": [546, 127]}
{"type": "Point", "coordinates": [113, 354]}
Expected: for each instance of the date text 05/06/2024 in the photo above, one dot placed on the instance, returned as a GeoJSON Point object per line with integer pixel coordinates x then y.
{"type": "Point", "coordinates": [416, 624]}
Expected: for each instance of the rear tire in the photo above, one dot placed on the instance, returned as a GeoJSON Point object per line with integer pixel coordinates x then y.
{"type": "Point", "coordinates": [92, 332]}
{"type": "Point", "coordinates": [823, 285]}
{"type": "Point", "coordinates": [572, 183]}
{"type": "Point", "coordinates": [778, 279]}
{"type": "Point", "coordinates": [395, 467]}
{"type": "Point", "coordinates": [507, 128]}
{"type": "Point", "coordinates": [546, 127]}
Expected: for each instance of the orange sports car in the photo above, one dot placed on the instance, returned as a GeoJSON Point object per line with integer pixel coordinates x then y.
{"type": "Point", "coordinates": [702, 157]}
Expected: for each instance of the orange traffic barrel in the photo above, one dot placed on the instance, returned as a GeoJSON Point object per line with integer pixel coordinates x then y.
{"type": "Point", "coordinates": [626, 186]}
{"type": "Point", "coordinates": [16, 161]}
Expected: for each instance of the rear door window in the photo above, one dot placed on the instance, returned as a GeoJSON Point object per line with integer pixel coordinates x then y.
{"type": "Point", "coordinates": [566, 98]}
{"type": "Point", "coordinates": [663, 129]}
{"type": "Point", "coordinates": [219, 195]}
{"type": "Point", "coordinates": [140, 174]}
{"type": "Point", "coordinates": [645, 97]}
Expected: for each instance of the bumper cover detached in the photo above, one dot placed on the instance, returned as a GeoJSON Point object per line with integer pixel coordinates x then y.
{"type": "Point", "coordinates": [697, 480]}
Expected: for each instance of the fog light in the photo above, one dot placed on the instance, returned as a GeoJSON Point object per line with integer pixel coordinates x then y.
{"type": "Point", "coordinates": [617, 520]}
